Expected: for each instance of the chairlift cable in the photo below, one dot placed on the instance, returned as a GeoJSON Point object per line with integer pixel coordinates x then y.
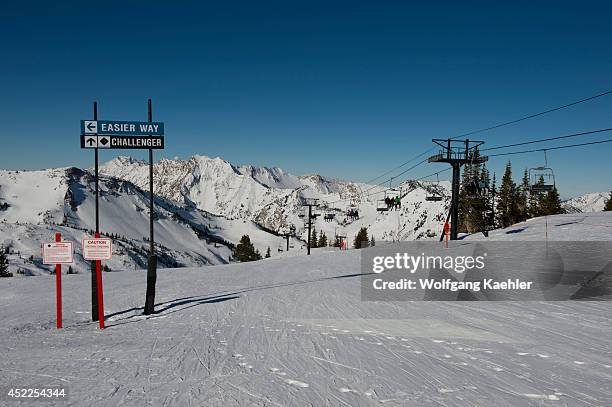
{"type": "Point", "coordinates": [490, 155]}
{"type": "Point", "coordinates": [547, 139]}
{"type": "Point", "coordinates": [551, 148]}
{"type": "Point", "coordinates": [531, 116]}
{"type": "Point", "coordinates": [480, 131]}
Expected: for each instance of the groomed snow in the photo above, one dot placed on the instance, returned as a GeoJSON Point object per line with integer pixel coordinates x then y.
{"type": "Point", "coordinates": [294, 331]}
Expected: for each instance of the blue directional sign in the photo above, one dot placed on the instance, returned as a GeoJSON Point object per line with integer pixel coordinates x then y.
{"type": "Point", "coordinates": [121, 128]}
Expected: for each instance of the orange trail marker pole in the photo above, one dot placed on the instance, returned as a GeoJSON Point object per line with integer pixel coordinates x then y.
{"type": "Point", "coordinates": [446, 230]}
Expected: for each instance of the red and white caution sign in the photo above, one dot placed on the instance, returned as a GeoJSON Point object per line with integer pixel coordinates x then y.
{"type": "Point", "coordinates": [97, 249]}
{"type": "Point", "coordinates": [57, 253]}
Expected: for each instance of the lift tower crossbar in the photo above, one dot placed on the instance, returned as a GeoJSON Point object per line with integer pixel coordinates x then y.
{"type": "Point", "coordinates": [457, 153]}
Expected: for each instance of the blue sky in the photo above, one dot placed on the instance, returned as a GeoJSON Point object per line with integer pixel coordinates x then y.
{"type": "Point", "coordinates": [345, 89]}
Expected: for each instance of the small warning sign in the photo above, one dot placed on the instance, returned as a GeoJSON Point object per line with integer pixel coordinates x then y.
{"type": "Point", "coordinates": [57, 253]}
{"type": "Point", "coordinates": [97, 249]}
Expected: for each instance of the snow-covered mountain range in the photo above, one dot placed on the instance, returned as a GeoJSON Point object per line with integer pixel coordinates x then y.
{"type": "Point", "coordinates": [203, 206]}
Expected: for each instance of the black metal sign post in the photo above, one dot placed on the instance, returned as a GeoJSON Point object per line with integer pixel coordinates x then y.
{"type": "Point", "coordinates": [115, 134]}
{"type": "Point", "coordinates": [149, 307]}
{"type": "Point", "coordinates": [94, 281]}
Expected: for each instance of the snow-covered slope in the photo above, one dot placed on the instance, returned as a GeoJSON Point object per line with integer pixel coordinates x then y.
{"type": "Point", "coordinates": [295, 332]}
{"type": "Point", "coordinates": [32, 196]}
{"type": "Point", "coordinates": [37, 204]}
{"type": "Point", "coordinates": [594, 226]}
{"type": "Point", "coordinates": [593, 202]}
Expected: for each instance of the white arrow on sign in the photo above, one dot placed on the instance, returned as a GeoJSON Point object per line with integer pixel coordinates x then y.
{"type": "Point", "coordinates": [91, 126]}
{"type": "Point", "coordinates": [91, 142]}
{"type": "Point", "coordinates": [104, 142]}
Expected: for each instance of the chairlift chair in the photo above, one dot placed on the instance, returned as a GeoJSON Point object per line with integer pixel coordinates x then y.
{"type": "Point", "coordinates": [381, 206]}
{"type": "Point", "coordinates": [391, 194]}
{"type": "Point", "coordinates": [352, 212]}
{"type": "Point", "coordinates": [329, 216]}
{"type": "Point", "coordinates": [542, 179]}
{"type": "Point", "coordinates": [476, 188]}
{"type": "Point", "coordinates": [435, 196]}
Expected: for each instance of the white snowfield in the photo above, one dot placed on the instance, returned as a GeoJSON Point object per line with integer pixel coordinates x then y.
{"type": "Point", "coordinates": [595, 226]}
{"type": "Point", "coordinates": [295, 332]}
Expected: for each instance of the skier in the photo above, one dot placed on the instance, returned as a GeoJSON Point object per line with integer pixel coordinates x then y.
{"type": "Point", "coordinates": [398, 202]}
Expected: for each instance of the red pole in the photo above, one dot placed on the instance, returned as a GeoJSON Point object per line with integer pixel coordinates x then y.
{"type": "Point", "coordinates": [446, 229]}
{"type": "Point", "coordinates": [58, 287]}
{"type": "Point", "coordinates": [100, 290]}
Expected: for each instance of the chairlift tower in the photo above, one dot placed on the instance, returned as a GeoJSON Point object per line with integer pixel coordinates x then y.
{"type": "Point", "coordinates": [457, 153]}
{"type": "Point", "coordinates": [310, 203]}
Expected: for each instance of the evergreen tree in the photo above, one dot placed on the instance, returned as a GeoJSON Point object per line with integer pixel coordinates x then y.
{"type": "Point", "coordinates": [474, 211]}
{"type": "Point", "coordinates": [533, 202]}
{"type": "Point", "coordinates": [551, 203]}
{"type": "Point", "coordinates": [507, 209]}
{"type": "Point", "coordinates": [523, 198]}
{"type": "Point", "coordinates": [313, 238]}
{"type": "Point", "coordinates": [322, 242]}
{"type": "Point", "coordinates": [372, 241]}
{"type": "Point", "coordinates": [491, 222]}
{"type": "Point", "coordinates": [470, 173]}
{"type": "Point", "coordinates": [245, 251]}
{"type": "Point", "coordinates": [361, 240]}
{"type": "Point", "coordinates": [536, 200]}
{"type": "Point", "coordinates": [4, 264]}
{"type": "Point", "coordinates": [268, 253]}
{"type": "Point", "coordinates": [608, 206]}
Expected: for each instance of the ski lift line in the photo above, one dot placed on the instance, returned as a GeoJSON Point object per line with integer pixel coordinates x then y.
{"type": "Point", "coordinates": [399, 166]}
{"type": "Point", "coordinates": [381, 184]}
{"type": "Point", "coordinates": [548, 139]}
{"type": "Point", "coordinates": [531, 116]}
{"type": "Point", "coordinates": [434, 173]}
{"type": "Point", "coordinates": [415, 179]}
{"type": "Point", "coordinates": [551, 148]}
